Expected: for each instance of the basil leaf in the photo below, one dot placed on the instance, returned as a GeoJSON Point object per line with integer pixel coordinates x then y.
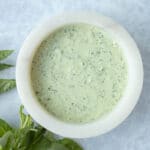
{"type": "Point", "coordinates": [38, 135]}
{"type": "Point", "coordinates": [4, 138]}
{"type": "Point", "coordinates": [5, 53]}
{"type": "Point", "coordinates": [70, 144]}
{"type": "Point", "coordinates": [6, 84]}
{"type": "Point", "coordinates": [50, 136]}
{"type": "Point", "coordinates": [24, 138]}
{"type": "Point", "coordinates": [20, 139]}
{"type": "Point", "coordinates": [31, 136]}
{"type": "Point", "coordinates": [4, 127]}
{"type": "Point", "coordinates": [14, 140]}
{"type": "Point", "coordinates": [25, 120]}
{"type": "Point", "coordinates": [58, 146]}
{"type": "Point", "coordinates": [42, 144]}
{"type": "Point", "coordinates": [5, 66]}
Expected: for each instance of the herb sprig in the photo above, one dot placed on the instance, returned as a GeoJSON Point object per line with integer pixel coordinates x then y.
{"type": "Point", "coordinates": [6, 84]}
{"type": "Point", "coordinates": [31, 136]}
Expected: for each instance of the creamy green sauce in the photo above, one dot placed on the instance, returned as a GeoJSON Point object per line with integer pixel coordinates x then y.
{"type": "Point", "coordinates": [79, 73]}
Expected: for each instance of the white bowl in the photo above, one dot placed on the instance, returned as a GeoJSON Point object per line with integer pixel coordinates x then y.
{"type": "Point", "coordinates": [128, 100]}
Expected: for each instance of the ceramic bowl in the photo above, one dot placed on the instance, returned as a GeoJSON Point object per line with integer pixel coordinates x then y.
{"type": "Point", "coordinates": [102, 125]}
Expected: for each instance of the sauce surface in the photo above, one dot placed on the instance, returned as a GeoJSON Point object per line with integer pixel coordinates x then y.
{"type": "Point", "coordinates": [79, 73]}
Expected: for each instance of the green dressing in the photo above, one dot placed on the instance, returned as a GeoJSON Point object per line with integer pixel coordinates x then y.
{"type": "Point", "coordinates": [79, 73]}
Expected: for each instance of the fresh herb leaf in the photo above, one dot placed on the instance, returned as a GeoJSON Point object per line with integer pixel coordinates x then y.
{"type": "Point", "coordinates": [25, 120]}
{"type": "Point", "coordinates": [5, 137]}
{"type": "Point", "coordinates": [45, 144]}
{"type": "Point", "coordinates": [5, 66]}
{"type": "Point", "coordinates": [5, 53]}
{"type": "Point", "coordinates": [38, 134]}
{"type": "Point", "coordinates": [50, 136]}
{"type": "Point", "coordinates": [31, 136]}
{"type": "Point", "coordinates": [6, 84]}
{"type": "Point", "coordinates": [70, 144]}
{"type": "Point", "coordinates": [4, 127]}
{"type": "Point", "coordinates": [14, 141]}
{"type": "Point", "coordinates": [42, 144]}
{"type": "Point", "coordinates": [22, 139]}
{"type": "Point", "coordinates": [57, 146]}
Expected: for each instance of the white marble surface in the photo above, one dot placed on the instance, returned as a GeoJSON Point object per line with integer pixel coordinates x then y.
{"type": "Point", "coordinates": [18, 17]}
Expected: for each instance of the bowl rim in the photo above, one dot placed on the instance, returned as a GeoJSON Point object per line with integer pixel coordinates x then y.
{"type": "Point", "coordinates": [127, 102]}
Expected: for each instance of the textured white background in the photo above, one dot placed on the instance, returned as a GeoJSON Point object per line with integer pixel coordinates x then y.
{"type": "Point", "coordinates": [18, 17]}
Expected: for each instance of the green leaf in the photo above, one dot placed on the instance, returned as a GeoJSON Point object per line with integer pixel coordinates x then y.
{"type": "Point", "coordinates": [5, 53]}
{"type": "Point", "coordinates": [20, 139]}
{"type": "Point", "coordinates": [6, 84]}
{"type": "Point", "coordinates": [70, 144]}
{"type": "Point", "coordinates": [25, 137]}
{"type": "Point", "coordinates": [31, 136]}
{"type": "Point", "coordinates": [45, 144]}
{"type": "Point", "coordinates": [25, 120]}
{"type": "Point", "coordinates": [50, 136]}
{"type": "Point", "coordinates": [58, 146]}
{"type": "Point", "coordinates": [13, 141]}
{"type": "Point", "coordinates": [5, 66]}
{"type": "Point", "coordinates": [42, 144]}
{"type": "Point", "coordinates": [4, 138]}
{"type": "Point", "coordinates": [4, 127]}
